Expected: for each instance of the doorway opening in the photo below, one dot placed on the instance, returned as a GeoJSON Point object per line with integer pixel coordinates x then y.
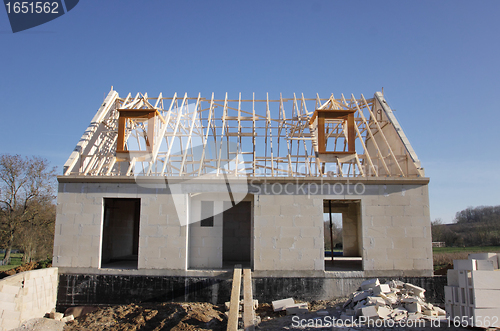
{"type": "Point", "coordinates": [237, 234]}
{"type": "Point", "coordinates": [343, 236]}
{"type": "Point", "coordinates": [120, 235]}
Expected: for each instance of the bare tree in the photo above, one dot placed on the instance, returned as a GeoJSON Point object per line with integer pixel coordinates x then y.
{"type": "Point", "coordinates": [36, 236]}
{"type": "Point", "coordinates": [26, 185]}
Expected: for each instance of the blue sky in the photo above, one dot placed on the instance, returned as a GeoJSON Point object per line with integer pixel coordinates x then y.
{"type": "Point", "coordinates": [438, 62]}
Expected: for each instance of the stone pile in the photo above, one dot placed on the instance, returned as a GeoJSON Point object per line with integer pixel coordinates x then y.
{"type": "Point", "coordinates": [394, 300]}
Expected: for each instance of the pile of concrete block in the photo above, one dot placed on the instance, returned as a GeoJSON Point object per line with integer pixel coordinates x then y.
{"type": "Point", "coordinates": [473, 291]}
{"type": "Point", "coordinates": [394, 300]}
{"type": "Point", "coordinates": [290, 306]}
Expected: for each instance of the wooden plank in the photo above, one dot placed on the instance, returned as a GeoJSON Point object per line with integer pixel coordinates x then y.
{"type": "Point", "coordinates": [234, 304]}
{"type": "Point", "coordinates": [248, 311]}
{"type": "Point", "coordinates": [179, 115]}
{"type": "Point", "coordinates": [161, 134]}
{"type": "Point", "coordinates": [222, 136]}
{"type": "Point", "coordinates": [383, 136]}
{"type": "Point", "coordinates": [205, 138]}
{"type": "Point", "coordinates": [371, 135]}
{"type": "Point", "coordinates": [190, 135]}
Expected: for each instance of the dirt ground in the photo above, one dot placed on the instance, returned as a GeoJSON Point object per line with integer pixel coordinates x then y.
{"type": "Point", "coordinates": [149, 316]}
{"type": "Point", "coordinates": [198, 316]}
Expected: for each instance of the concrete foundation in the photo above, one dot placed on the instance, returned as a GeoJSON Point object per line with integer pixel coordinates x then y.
{"type": "Point", "coordinates": [86, 289]}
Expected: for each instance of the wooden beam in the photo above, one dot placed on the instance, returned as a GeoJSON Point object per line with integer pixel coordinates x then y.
{"type": "Point", "coordinates": [234, 304]}
{"type": "Point", "coordinates": [383, 136]}
{"type": "Point", "coordinates": [248, 311]}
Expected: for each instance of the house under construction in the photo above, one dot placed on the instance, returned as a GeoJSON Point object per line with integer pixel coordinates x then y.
{"type": "Point", "coordinates": [190, 185]}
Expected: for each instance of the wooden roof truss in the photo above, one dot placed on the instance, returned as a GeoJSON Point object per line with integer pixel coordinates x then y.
{"type": "Point", "coordinates": [285, 137]}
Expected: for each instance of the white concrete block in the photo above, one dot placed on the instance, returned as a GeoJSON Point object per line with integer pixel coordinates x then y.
{"type": "Point", "coordinates": [384, 312]}
{"type": "Point", "coordinates": [7, 297]}
{"type": "Point", "coordinates": [382, 288]}
{"type": "Point", "coordinates": [370, 283]}
{"type": "Point", "coordinates": [358, 296]}
{"type": "Point", "coordinates": [418, 291]}
{"type": "Point", "coordinates": [463, 278]}
{"type": "Point", "coordinates": [486, 298]}
{"type": "Point", "coordinates": [398, 311]}
{"type": "Point", "coordinates": [370, 312]}
{"type": "Point", "coordinates": [56, 316]}
{"type": "Point", "coordinates": [279, 305]}
{"type": "Point", "coordinates": [485, 265]}
{"type": "Point", "coordinates": [463, 297]}
{"type": "Point", "coordinates": [413, 307]}
{"type": "Point", "coordinates": [456, 311]}
{"type": "Point", "coordinates": [299, 308]}
{"type": "Point", "coordinates": [439, 311]}
{"type": "Point", "coordinates": [482, 279]}
{"type": "Point", "coordinates": [452, 276]}
{"type": "Point", "coordinates": [7, 306]}
{"type": "Point", "coordinates": [464, 264]}
{"type": "Point", "coordinates": [375, 301]}
{"type": "Point", "coordinates": [429, 312]}
{"type": "Point", "coordinates": [10, 289]}
{"type": "Point", "coordinates": [390, 299]}
{"type": "Point", "coordinates": [9, 324]}
{"type": "Point", "coordinates": [448, 295]}
{"type": "Point", "coordinates": [485, 256]}
{"type": "Point", "coordinates": [487, 318]}
{"type": "Point", "coordinates": [449, 310]}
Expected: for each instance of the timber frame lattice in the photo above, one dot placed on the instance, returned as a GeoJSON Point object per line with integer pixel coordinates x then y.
{"type": "Point", "coordinates": [284, 137]}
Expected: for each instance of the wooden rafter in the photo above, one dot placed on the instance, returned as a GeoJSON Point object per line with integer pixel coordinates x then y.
{"type": "Point", "coordinates": [251, 137]}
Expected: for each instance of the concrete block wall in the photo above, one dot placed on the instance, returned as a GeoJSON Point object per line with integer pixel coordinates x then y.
{"type": "Point", "coordinates": [27, 295]}
{"type": "Point", "coordinates": [162, 234]}
{"type": "Point", "coordinates": [394, 233]}
{"type": "Point", "coordinates": [78, 232]}
{"type": "Point", "coordinates": [396, 230]}
{"type": "Point", "coordinates": [205, 243]}
{"type": "Point", "coordinates": [288, 233]}
{"type": "Point", "coordinates": [351, 231]}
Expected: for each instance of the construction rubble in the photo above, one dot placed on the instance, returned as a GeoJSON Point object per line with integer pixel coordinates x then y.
{"type": "Point", "coordinates": [393, 300]}
{"type": "Point", "coordinates": [60, 316]}
{"type": "Point", "coordinates": [290, 306]}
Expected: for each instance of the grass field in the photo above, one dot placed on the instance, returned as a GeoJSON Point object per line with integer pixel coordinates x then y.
{"type": "Point", "coordinates": [476, 249]}
{"type": "Point", "coordinates": [445, 255]}
{"type": "Point", "coordinates": [15, 261]}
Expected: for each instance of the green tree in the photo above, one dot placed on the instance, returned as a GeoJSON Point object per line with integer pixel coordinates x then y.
{"type": "Point", "coordinates": [26, 188]}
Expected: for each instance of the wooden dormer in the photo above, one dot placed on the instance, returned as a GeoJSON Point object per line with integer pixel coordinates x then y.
{"type": "Point", "coordinates": [345, 115]}
{"type": "Point", "coordinates": [135, 114]}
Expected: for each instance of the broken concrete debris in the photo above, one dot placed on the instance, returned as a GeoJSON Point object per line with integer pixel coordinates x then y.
{"type": "Point", "coordinates": [279, 305]}
{"type": "Point", "coordinates": [290, 306]}
{"type": "Point", "coordinates": [60, 316]}
{"type": "Point", "coordinates": [394, 300]}
{"type": "Point", "coordinates": [298, 308]}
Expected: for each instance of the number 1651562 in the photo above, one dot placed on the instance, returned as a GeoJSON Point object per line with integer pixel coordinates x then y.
{"type": "Point", "coordinates": [39, 7]}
